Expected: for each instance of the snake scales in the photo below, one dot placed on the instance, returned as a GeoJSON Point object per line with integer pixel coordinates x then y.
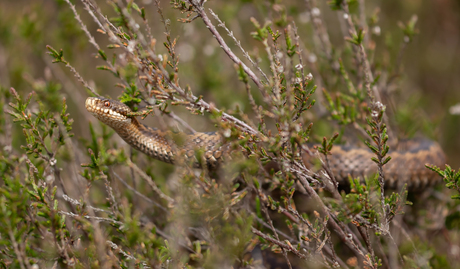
{"type": "Point", "coordinates": [406, 166]}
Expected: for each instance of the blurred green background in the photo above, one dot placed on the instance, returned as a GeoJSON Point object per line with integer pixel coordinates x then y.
{"type": "Point", "coordinates": [428, 87]}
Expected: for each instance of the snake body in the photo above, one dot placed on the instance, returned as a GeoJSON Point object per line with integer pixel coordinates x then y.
{"type": "Point", "coordinates": [406, 166]}
{"type": "Point", "coordinates": [165, 146]}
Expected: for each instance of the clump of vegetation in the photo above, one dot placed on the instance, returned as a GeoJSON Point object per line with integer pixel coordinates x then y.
{"type": "Point", "coordinates": [71, 201]}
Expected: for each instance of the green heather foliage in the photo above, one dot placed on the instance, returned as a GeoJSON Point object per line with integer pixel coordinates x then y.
{"type": "Point", "coordinates": [273, 77]}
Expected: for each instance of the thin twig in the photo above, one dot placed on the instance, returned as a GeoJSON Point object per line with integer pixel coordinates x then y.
{"type": "Point", "coordinates": [201, 12]}
{"type": "Point", "coordinates": [238, 43]}
{"type": "Point", "coordinates": [152, 184]}
{"type": "Point", "coordinates": [138, 193]}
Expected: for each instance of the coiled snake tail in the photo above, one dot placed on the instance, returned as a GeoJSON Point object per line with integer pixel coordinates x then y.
{"type": "Point", "coordinates": [407, 164]}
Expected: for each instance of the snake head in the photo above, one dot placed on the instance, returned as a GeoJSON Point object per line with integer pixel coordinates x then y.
{"type": "Point", "coordinates": [108, 111]}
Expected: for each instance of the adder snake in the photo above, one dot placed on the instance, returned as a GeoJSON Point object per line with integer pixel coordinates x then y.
{"type": "Point", "coordinates": [406, 166]}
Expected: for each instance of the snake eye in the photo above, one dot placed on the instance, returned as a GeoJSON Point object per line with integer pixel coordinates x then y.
{"type": "Point", "coordinates": [107, 103]}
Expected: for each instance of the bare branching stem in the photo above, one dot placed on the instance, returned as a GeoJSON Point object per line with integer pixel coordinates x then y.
{"type": "Point", "coordinates": [238, 43]}
{"type": "Point", "coordinates": [201, 12]}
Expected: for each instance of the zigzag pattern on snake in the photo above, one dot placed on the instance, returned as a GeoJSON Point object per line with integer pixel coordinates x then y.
{"type": "Point", "coordinates": [406, 166]}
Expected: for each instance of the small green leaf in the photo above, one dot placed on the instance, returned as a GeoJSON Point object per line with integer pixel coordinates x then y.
{"type": "Point", "coordinates": [386, 160]}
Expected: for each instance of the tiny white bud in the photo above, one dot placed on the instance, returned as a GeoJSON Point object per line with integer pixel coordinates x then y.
{"type": "Point", "coordinates": [349, 237]}
{"type": "Point", "coordinates": [379, 105]}
{"type": "Point", "coordinates": [315, 11]}
{"type": "Point", "coordinates": [376, 30]}
{"type": "Point", "coordinates": [53, 162]}
{"type": "Point", "coordinates": [309, 76]}
{"type": "Point", "coordinates": [78, 243]}
{"type": "Point", "coordinates": [345, 16]}
{"type": "Point", "coordinates": [49, 179]}
{"type": "Point", "coordinates": [280, 69]}
{"type": "Point", "coordinates": [227, 132]}
{"type": "Point", "coordinates": [298, 66]}
{"type": "Point", "coordinates": [312, 58]}
{"type": "Point", "coordinates": [455, 110]}
{"type": "Point", "coordinates": [406, 39]}
{"type": "Point", "coordinates": [131, 45]}
{"type": "Point", "coordinates": [298, 80]}
{"type": "Point", "coordinates": [279, 55]}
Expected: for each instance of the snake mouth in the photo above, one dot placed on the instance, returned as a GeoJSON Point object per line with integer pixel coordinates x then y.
{"type": "Point", "coordinates": [107, 110]}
